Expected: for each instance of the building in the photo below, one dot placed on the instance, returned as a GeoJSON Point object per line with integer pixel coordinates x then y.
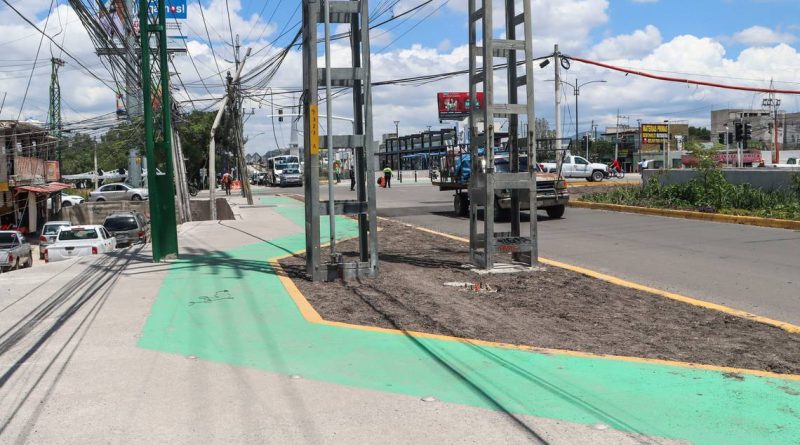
{"type": "Point", "coordinates": [27, 176]}
{"type": "Point", "coordinates": [413, 152]}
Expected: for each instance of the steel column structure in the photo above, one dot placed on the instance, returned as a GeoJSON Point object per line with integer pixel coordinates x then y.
{"type": "Point", "coordinates": [158, 133]}
{"type": "Point", "coordinates": [357, 76]}
{"type": "Point", "coordinates": [484, 181]}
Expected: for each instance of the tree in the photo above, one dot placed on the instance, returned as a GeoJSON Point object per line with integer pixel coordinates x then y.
{"type": "Point", "coordinates": [195, 132]}
{"type": "Point", "coordinates": [700, 134]}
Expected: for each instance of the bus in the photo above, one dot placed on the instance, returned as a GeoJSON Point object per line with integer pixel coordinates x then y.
{"type": "Point", "coordinates": [277, 164]}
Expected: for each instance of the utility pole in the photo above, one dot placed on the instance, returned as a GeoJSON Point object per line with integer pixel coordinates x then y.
{"type": "Point", "coordinates": [594, 136]}
{"type": "Point", "coordinates": [95, 164]}
{"type": "Point", "coordinates": [616, 137]}
{"type": "Point", "coordinates": [557, 67]}
{"type": "Point", "coordinates": [212, 146]}
{"type": "Point", "coordinates": [54, 115]}
{"type": "Point", "coordinates": [235, 104]}
{"type": "Point", "coordinates": [773, 103]}
{"type": "Point", "coordinates": [577, 93]}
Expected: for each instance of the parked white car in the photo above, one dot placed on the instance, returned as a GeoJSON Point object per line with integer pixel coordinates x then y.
{"type": "Point", "coordinates": [578, 167]}
{"type": "Point", "coordinates": [78, 241]}
{"type": "Point", "coordinates": [71, 200]}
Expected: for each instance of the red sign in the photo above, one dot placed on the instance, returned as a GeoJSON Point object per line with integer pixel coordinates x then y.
{"type": "Point", "coordinates": [456, 106]}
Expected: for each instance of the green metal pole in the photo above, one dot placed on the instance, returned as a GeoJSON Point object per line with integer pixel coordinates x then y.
{"type": "Point", "coordinates": [166, 184]}
{"type": "Point", "coordinates": [162, 202]}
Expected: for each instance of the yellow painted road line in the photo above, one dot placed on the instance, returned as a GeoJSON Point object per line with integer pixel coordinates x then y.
{"type": "Point", "coordinates": [686, 214]}
{"type": "Point", "coordinates": [788, 327]}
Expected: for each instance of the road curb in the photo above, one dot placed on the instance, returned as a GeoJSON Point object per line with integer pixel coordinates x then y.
{"type": "Point", "coordinates": [686, 214]}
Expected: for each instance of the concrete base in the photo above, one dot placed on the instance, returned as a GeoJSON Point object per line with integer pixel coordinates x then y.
{"type": "Point", "coordinates": [501, 268]}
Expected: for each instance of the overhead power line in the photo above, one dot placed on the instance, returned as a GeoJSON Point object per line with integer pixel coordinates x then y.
{"type": "Point", "coordinates": [681, 80]}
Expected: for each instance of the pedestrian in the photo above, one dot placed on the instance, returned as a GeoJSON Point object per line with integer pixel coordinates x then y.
{"type": "Point", "coordinates": [226, 183]}
{"type": "Point", "coordinates": [337, 171]}
{"type": "Point", "coordinates": [387, 176]}
{"type": "Point", "coordinates": [352, 177]}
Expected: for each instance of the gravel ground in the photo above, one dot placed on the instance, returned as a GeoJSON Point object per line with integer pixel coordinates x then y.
{"type": "Point", "coordinates": [551, 308]}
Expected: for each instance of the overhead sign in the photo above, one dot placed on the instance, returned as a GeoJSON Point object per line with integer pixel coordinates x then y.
{"type": "Point", "coordinates": [654, 133]}
{"type": "Point", "coordinates": [456, 106]}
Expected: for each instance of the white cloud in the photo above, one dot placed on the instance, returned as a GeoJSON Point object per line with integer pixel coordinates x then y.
{"type": "Point", "coordinates": [637, 44]}
{"type": "Point", "coordinates": [762, 36]}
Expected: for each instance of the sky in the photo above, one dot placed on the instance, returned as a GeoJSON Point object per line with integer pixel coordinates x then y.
{"type": "Point", "coordinates": [736, 42]}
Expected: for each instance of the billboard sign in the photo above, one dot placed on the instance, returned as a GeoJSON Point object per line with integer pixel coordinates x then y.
{"type": "Point", "coordinates": [456, 106]}
{"type": "Point", "coordinates": [654, 133]}
{"type": "Point", "coordinates": [53, 171]}
{"type": "Point", "coordinates": [176, 9]}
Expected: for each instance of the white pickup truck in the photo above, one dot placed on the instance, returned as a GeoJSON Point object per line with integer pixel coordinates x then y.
{"type": "Point", "coordinates": [578, 167]}
{"type": "Point", "coordinates": [78, 241]}
{"type": "Point", "coordinates": [790, 163]}
{"type": "Point", "coordinates": [15, 252]}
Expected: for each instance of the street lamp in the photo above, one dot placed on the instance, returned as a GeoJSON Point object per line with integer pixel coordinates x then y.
{"type": "Point", "coordinates": [576, 88]}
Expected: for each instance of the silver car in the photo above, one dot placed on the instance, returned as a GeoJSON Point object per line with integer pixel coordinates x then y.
{"type": "Point", "coordinates": [118, 192]}
{"type": "Point", "coordinates": [49, 233]}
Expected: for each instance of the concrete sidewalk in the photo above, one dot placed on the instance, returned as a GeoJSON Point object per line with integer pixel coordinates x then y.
{"type": "Point", "coordinates": [210, 348]}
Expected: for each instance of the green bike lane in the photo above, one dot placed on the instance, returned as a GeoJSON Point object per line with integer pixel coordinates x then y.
{"type": "Point", "coordinates": [230, 307]}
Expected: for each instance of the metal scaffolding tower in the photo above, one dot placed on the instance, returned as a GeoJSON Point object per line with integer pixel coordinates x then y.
{"type": "Point", "coordinates": [357, 76]}
{"type": "Point", "coordinates": [158, 131]}
{"type": "Point", "coordinates": [484, 181]}
{"type": "Point", "coordinates": [54, 113]}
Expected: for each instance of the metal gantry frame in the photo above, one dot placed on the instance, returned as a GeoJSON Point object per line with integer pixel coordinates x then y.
{"type": "Point", "coordinates": [357, 76]}
{"type": "Point", "coordinates": [484, 181]}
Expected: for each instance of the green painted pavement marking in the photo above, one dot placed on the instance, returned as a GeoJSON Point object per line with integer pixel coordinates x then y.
{"type": "Point", "coordinates": [249, 320]}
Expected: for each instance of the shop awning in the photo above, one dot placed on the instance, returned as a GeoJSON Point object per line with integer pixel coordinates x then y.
{"type": "Point", "coordinates": [44, 188]}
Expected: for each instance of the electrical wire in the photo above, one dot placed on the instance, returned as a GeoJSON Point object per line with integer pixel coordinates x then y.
{"type": "Point", "coordinates": [681, 80]}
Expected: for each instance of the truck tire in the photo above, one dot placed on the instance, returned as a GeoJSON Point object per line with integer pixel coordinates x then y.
{"type": "Point", "coordinates": [555, 212]}
{"type": "Point", "coordinates": [598, 175]}
{"type": "Point", "coordinates": [501, 215]}
{"type": "Point", "coordinates": [461, 204]}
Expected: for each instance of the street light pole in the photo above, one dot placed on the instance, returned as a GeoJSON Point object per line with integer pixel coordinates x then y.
{"type": "Point", "coordinates": [576, 88]}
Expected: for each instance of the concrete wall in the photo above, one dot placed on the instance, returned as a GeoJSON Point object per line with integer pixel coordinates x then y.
{"type": "Point", "coordinates": [96, 212]}
{"type": "Point", "coordinates": [201, 211]}
{"type": "Point", "coordinates": [763, 178]}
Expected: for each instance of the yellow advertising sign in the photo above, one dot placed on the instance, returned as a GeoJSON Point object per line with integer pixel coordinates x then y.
{"type": "Point", "coordinates": [313, 114]}
{"type": "Point", "coordinates": [654, 133]}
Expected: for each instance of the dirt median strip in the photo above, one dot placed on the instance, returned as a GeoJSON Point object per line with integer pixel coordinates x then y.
{"type": "Point", "coordinates": [685, 214]}
{"type": "Point", "coordinates": [554, 308]}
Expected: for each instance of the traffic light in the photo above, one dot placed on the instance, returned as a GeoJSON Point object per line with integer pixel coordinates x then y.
{"type": "Point", "coordinates": [722, 138]}
{"type": "Point", "coordinates": [280, 114]}
{"type": "Point", "coordinates": [748, 131]}
{"type": "Point", "coordinates": [739, 132]}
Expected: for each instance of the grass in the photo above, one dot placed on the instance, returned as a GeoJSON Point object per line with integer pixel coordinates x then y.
{"type": "Point", "coordinates": [709, 192]}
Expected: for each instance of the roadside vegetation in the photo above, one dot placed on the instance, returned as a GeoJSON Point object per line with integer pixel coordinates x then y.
{"type": "Point", "coordinates": [709, 192]}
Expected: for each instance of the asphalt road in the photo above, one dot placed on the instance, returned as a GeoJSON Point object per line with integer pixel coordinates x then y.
{"type": "Point", "coordinates": [749, 268]}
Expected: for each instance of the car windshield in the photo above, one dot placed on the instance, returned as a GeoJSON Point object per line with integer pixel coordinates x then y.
{"type": "Point", "coordinates": [52, 229]}
{"type": "Point", "coordinates": [117, 223]}
{"type": "Point", "coordinates": [77, 234]}
{"type": "Point", "coordinates": [7, 239]}
{"type": "Point", "coordinates": [292, 169]}
{"type": "Point", "coordinates": [280, 166]}
{"type": "Point", "coordinates": [503, 165]}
